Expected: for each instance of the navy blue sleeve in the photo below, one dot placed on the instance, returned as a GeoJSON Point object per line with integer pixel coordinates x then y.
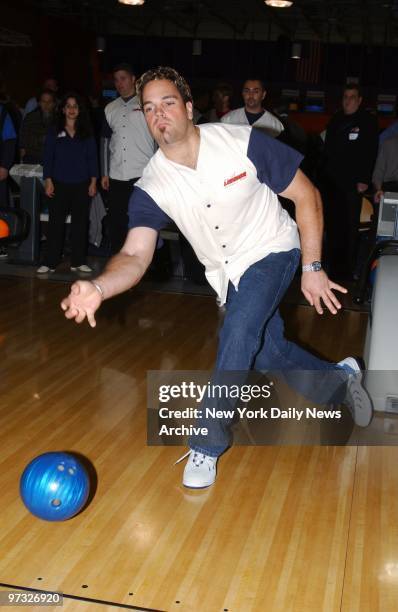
{"type": "Point", "coordinates": [48, 156]}
{"type": "Point", "coordinates": [144, 212]}
{"type": "Point", "coordinates": [275, 162]}
{"type": "Point", "coordinates": [106, 130]}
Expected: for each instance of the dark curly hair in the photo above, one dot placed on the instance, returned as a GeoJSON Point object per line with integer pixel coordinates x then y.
{"type": "Point", "coordinates": [355, 86]}
{"type": "Point", "coordinates": [164, 73]}
{"type": "Point", "coordinates": [83, 124]}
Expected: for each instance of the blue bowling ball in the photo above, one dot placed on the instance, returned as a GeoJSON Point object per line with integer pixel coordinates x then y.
{"type": "Point", "coordinates": [54, 486]}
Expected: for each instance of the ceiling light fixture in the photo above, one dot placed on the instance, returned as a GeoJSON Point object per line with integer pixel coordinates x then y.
{"type": "Point", "coordinates": [132, 2]}
{"type": "Point", "coordinates": [278, 3]}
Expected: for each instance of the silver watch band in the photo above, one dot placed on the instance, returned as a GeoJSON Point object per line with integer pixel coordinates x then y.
{"type": "Point", "coordinates": [315, 266]}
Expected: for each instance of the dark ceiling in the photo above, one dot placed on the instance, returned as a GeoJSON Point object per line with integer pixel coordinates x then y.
{"type": "Point", "coordinates": [370, 22]}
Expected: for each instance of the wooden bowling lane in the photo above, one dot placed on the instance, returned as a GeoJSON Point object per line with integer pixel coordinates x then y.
{"type": "Point", "coordinates": [68, 603]}
{"type": "Point", "coordinates": [288, 528]}
{"type": "Point", "coordinates": [371, 576]}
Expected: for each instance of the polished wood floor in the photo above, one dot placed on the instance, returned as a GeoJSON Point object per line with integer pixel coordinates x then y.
{"type": "Point", "coordinates": [284, 528]}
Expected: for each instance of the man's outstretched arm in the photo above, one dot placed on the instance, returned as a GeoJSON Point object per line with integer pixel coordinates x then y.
{"type": "Point", "coordinates": [123, 271]}
{"type": "Point", "coordinates": [316, 286]}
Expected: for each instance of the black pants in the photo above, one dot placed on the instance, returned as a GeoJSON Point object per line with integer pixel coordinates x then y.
{"type": "Point", "coordinates": [4, 193]}
{"type": "Point", "coordinates": [342, 212]}
{"type": "Point", "coordinates": [119, 196]}
{"type": "Point", "coordinates": [68, 198]}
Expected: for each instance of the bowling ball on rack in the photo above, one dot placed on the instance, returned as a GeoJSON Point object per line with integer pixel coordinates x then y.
{"type": "Point", "coordinates": [4, 229]}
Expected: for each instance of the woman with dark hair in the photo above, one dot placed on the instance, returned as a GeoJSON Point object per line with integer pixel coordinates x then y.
{"type": "Point", "coordinates": [70, 172]}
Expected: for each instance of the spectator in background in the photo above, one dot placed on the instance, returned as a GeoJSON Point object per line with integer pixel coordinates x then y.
{"type": "Point", "coordinates": [349, 155]}
{"type": "Point", "coordinates": [293, 134]}
{"type": "Point", "coordinates": [222, 100]}
{"type": "Point", "coordinates": [8, 141]}
{"type": "Point", "coordinates": [34, 129]}
{"type": "Point", "coordinates": [32, 103]}
{"type": "Point", "coordinates": [385, 174]}
{"type": "Point", "coordinates": [12, 109]}
{"type": "Point", "coordinates": [201, 105]}
{"type": "Point", "coordinates": [70, 175]}
{"type": "Point", "coordinates": [126, 147]}
{"type": "Point", "coordinates": [253, 112]}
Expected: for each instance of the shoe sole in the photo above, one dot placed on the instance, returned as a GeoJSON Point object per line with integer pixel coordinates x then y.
{"type": "Point", "coordinates": [362, 404]}
{"type": "Point", "coordinates": [187, 486]}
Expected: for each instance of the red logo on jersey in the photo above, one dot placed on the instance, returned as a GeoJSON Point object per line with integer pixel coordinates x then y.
{"type": "Point", "coordinates": [233, 179]}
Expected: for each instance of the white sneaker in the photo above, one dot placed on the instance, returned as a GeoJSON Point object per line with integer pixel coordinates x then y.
{"type": "Point", "coordinates": [44, 270]}
{"type": "Point", "coordinates": [83, 268]}
{"type": "Point", "coordinates": [200, 470]}
{"type": "Point", "coordinates": [357, 399]}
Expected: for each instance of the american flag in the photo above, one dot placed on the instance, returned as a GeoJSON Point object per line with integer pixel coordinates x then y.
{"type": "Point", "coordinates": [307, 70]}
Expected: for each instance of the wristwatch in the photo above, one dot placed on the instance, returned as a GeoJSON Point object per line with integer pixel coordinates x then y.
{"type": "Point", "coordinates": [315, 266]}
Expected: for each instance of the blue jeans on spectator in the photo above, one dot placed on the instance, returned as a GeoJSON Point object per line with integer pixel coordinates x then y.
{"type": "Point", "coordinates": [252, 337]}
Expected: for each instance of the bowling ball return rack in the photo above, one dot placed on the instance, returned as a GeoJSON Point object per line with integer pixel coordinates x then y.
{"type": "Point", "coordinates": [18, 221]}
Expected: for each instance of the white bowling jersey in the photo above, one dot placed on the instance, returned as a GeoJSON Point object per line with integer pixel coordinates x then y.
{"type": "Point", "coordinates": [227, 207]}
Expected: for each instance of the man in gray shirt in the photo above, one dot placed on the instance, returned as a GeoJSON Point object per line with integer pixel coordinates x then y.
{"type": "Point", "coordinates": [385, 173]}
{"type": "Point", "coordinates": [126, 147]}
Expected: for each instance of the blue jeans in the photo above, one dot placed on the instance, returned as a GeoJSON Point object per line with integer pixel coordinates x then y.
{"type": "Point", "coordinates": [252, 337]}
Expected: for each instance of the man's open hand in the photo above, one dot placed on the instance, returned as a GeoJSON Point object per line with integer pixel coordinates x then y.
{"type": "Point", "coordinates": [318, 288]}
{"type": "Point", "coordinates": [83, 301]}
